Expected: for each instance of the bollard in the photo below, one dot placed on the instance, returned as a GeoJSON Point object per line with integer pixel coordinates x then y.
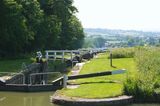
{"type": "Point", "coordinates": [111, 59]}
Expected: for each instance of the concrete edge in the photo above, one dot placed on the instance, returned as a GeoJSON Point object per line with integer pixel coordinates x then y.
{"type": "Point", "coordinates": [73, 101]}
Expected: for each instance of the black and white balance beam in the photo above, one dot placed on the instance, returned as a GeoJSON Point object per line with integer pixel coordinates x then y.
{"type": "Point", "coordinates": [105, 73]}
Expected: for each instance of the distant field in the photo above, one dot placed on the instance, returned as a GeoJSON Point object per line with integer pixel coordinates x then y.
{"type": "Point", "coordinates": [102, 87]}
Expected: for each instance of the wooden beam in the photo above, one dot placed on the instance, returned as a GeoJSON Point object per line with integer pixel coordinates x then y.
{"type": "Point", "coordinates": [96, 74]}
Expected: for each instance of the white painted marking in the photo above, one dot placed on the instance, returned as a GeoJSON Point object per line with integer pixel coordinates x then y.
{"type": "Point", "coordinates": [2, 79]}
{"type": "Point", "coordinates": [3, 98]}
{"type": "Point", "coordinates": [118, 72]}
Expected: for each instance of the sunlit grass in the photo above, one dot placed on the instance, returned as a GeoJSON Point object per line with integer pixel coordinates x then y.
{"type": "Point", "coordinates": [106, 86]}
{"type": "Point", "coordinates": [96, 90]}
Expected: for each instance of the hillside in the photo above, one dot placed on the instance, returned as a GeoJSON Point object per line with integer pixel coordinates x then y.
{"type": "Point", "coordinates": [121, 38]}
{"type": "Point", "coordinates": [115, 32]}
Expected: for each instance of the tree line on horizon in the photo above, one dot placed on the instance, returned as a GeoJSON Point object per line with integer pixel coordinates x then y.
{"type": "Point", "coordinates": [31, 25]}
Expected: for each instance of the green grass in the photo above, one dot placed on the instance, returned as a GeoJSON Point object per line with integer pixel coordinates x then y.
{"type": "Point", "coordinates": [123, 52]}
{"type": "Point", "coordinates": [13, 65]}
{"type": "Point", "coordinates": [97, 90]}
{"type": "Point", "coordinates": [102, 87]}
{"type": "Point", "coordinates": [144, 86]}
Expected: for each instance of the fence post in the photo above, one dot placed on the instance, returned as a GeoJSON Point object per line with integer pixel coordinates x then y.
{"type": "Point", "coordinates": [111, 58]}
{"type": "Point", "coordinates": [23, 78]}
{"type": "Point", "coordinates": [55, 54]}
{"type": "Point", "coordinates": [63, 56]}
{"type": "Point", "coordinates": [30, 80]}
{"type": "Point", "coordinates": [71, 55]}
{"type": "Point", "coordinates": [46, 55]}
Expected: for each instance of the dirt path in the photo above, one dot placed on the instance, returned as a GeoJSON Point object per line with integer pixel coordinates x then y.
{"type": "Point", "coordinates": [77, 68]}
{"type": "Point", "coordinates": [75, 71]}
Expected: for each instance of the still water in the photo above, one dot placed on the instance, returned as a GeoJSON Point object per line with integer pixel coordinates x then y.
{"type": "Point", "coordinates": [35, 99]}
{"type": "Point", "coordinates": [25, 99]}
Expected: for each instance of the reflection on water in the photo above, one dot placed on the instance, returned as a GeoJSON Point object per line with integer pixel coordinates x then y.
{"type": "Point", "coordinates": [25, 99]}
{"type": "Point", "coordinates": [35, 99]}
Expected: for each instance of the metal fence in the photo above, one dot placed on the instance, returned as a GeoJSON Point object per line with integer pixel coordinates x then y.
{"type": "Point", "coordinates": [12, 78]}
{"type": "Point", "coordinates": [44, 78]}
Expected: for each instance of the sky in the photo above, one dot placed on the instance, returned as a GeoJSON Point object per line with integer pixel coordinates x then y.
{"type": "Point", "coordinates": [119, 14]}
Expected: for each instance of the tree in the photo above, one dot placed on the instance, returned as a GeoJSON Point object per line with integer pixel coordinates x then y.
{"type": "Point", "coordinates": [76, 34]}
{"type": "Point", "coordinates": [99, 42]}
{"type": "Point", "coordinates": [51, 31]}
{"type": "Point", "coordinates": [88, 43]}
{"type": "Point", "coordinates": [27, 25]}
{"type": "Point", "coordinates": [34, 17]}
{"type": "Point", "coordinates": [14, 33]}
{"type": "Point", "coordinates": [131, 42]}
{"type": "Point", "coordinates": [64, 11]}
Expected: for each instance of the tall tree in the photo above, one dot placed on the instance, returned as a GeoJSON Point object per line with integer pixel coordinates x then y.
{"type": "Point", "coordinates": [64, 10]}
{"type": "Point", "coordinates": [99, 42]}
{"type": "Point", "coordinates": [75, 30]}
{"type": "Point", "coordinates": [34, 17]}
{"type": "Point", "coordinates": [14, 33]}
{"type": "Point", "coordinates": [26, 26]}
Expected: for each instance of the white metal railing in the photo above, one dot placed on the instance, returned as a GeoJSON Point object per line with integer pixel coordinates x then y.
{"type": "Point", "coordinates": [46, 73]}
{"type": "Point", "coordinates": [52, 54]}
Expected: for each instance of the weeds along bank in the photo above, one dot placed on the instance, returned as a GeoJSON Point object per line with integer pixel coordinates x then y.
{"type": "Point", "coordinates": [123, 52]}
{"type": "Point", "coordinates": [145, 85]}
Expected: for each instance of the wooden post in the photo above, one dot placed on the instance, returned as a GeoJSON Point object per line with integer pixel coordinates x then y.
{"type": "Point", "coordinates": [55, 54]}
{"type": "Point", "coordinates": [71, 55]}
{"type": "Point", "coordinates": [46, 55]}
{"type": "Point", "coordinates": [98, 74]}
{"type": "Point", "coordinates": [30, 80]}
{"type": "Point", "coordinates": [65, 78]}
{"type": "Point", "coordinates": [111, 59]}
{"type": "Point", "coordinates": [23, 78]}
{"type": "Point", "coordinates": [63, 56]}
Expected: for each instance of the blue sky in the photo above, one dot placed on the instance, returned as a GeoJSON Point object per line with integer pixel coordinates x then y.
{"type": "Point", "coordinates": [119, 14]}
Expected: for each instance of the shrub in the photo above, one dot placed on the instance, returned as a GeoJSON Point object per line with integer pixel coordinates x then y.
{"type": "Point", "coordinates": [143, 85]}
{"type": "Point", "coordinates": [148, 59]}
{"type": "Point", "coordinates": [123, 53]}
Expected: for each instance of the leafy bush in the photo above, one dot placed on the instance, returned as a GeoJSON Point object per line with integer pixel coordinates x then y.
{"type": "Point", "coordinates": [148, 59]}
{"type": "Point", "coordinates": [143, 85]}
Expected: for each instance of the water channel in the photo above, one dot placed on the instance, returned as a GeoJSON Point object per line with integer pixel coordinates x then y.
{"type": "Point", "coordinates": [35, 99]}
{"type": "Point", "coordinates": [25, 99]}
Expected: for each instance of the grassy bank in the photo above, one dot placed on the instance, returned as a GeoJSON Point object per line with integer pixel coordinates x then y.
{"type": "Point", "coordinates": [123, 52]}
{"type": "Point", "coordinates": [96, 90]}
{"type": "Point", "coordinates": [101, 87]}
{"type": "Point", "coordinates": [13, 65]}
{"type": "Point", "coordinates": [146, 85]}
{"type": "Point", "coordinates": [142, 79]}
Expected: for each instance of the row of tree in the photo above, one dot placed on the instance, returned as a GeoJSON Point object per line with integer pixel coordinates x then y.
{"type": "Point", "coordinates": [94, 42]}
{"type": "Point", "coordinates": [30, 25]}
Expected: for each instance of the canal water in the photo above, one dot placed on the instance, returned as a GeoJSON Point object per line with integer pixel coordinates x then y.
{"type": "Point", "coordinates": [25, 99]}
{"type": "Point", "coordinates": [144, 105]}
{"type": "Point", "coordinates": [35, 99]}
